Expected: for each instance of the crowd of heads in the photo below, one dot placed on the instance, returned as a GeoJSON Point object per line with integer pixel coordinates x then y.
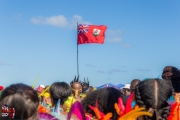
{"type": "Point", "coordinates": [64, 101]}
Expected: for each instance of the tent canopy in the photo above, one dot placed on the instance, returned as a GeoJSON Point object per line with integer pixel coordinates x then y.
{"type": "Point", "coordinates": [118, 86]}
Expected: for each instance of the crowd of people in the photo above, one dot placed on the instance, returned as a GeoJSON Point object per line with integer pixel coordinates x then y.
{"type": "Point", "coordinates": [149, 99]}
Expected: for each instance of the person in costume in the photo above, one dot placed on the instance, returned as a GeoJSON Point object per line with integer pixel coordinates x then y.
{"type": "Point", "coordinates": [39, 90]}
{"type": "Point", "coordinates": [22, 100]}
{"type": "Point", "coordinates": [172, 75]}
{"type": "Point", "coordinates": [59, 92]}
{"type": "Point", "coordinates": [79, 92]}
{"type": "Point", "coordinates": [76, 86]}
{"type": "Point", "coordinates": [106, 98]}
{"type": "Point", "coordinates": [47, 100]}
{"type": "Point", "coordinates": [153, 94]}
{"type": "Point", "coordinates": [45, 97]}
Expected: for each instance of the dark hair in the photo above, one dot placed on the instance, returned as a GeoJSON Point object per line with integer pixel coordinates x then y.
{"type": "Point", "coordinates": [23, 99]}
{"type": "Point", "coordinates": [106, 98]}
{"type": "Point", "coordinates": [85, 85]}
{"type": "Point", "coordinates": [153, 95]}
{"type": "Point", "coordinates": [172, 74]}
{"type": "Point", "coordinates": [59, 90]}
{"type": "Point", "coordinates": [47, 87]}
{"type": "Point", "coordinates": [75, 80]}
{"type": "Point", "coordinates": [91, 88]}
{"type": "Point", "coordinates": [134, 82]}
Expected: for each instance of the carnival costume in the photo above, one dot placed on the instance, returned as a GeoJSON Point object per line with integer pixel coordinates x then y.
{"type": "Point", "coordinates": [175, 109]}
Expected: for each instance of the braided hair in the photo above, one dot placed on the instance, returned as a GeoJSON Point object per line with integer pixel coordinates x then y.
{"type": "Point", "coordinates": [85, 85]}
{"type": "Point", "coordinates": [172, 75]}
{"type": "Point", "coordinates": [76, 80]}
{"type": "Point", "coordinates": [153, 94]}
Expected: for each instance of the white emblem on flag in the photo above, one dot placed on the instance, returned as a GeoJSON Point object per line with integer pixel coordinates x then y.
{"type": "Point", "coordinates": [96, 32]}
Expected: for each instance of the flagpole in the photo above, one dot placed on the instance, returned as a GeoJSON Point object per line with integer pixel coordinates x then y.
{"type": "Point", "coordinates": [77, 53]}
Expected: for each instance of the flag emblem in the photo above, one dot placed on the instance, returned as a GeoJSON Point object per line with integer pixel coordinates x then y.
{"type": "Point", "coordinates": [96, 32]}
{"type": "Point", "coordinates": [83, 28]}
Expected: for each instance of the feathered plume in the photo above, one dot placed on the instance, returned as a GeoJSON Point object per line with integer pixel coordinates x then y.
{"type": "Point", "coordinates": [78, 110]}
{"type": "Point", "coordinates": [175, 109]}
{"type": "Point", "coordinates": [132, 115]}
{"type": "Point", "coordinates": [100, 115]}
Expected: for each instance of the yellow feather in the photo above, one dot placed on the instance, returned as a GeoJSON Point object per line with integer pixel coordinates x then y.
{"type": "Point", "coordinates": [134, 114]}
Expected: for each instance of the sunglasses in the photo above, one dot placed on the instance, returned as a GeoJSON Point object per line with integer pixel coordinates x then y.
{"type": "Point", "coordinates": [126, 90]}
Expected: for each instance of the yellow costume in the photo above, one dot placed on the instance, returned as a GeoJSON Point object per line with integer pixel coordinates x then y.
{"type": "Point", "coordinates": [46, 95]}
{"type": "Point", "coordinates": [69, 102]}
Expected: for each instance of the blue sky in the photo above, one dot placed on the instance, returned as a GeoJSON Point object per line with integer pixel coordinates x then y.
{"type": "Point", "coordinates": [38, 37]}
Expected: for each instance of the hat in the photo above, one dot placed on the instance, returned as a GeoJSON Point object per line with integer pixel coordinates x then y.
{"type": "Point", "coordinates": [40, 88]}
{"type": "Point", "coordinates": [1, 87]}
{"type": "Point", "coordinates": [127, 86]}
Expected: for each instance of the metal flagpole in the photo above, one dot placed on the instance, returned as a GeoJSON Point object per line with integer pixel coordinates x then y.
{"type": "Point", "coordinates": [77, 53]}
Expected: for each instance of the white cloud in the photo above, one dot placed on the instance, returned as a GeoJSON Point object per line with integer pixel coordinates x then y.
{"type": "Point", "coordinates": [89, 65]}
{"type": "Point", "coordinates": [143, 70]}
{"type": "Point", "coordinates": [60, 21]}
{"type": "Point", "coordinates": [2, 63]}
{"type": "Point", "coordinates": [77, 19]}
{"type": "Point", "coordinates": [17, 16]}
{"type": "Point", "coordinates": [125, 45]}
{"type": "Point", "coordinates": [114, 36]}
{"type": "Point", "coordinates": [117, 70]}
{"type": "Point", "coordinates": [101, 71]}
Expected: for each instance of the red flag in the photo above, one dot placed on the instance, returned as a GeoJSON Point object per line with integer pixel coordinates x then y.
{"type": "Point", "coordinates": [91, 34]}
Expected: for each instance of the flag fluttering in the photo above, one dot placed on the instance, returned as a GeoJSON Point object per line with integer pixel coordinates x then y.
{"type": "Point", "coordinates": [91, 34]}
